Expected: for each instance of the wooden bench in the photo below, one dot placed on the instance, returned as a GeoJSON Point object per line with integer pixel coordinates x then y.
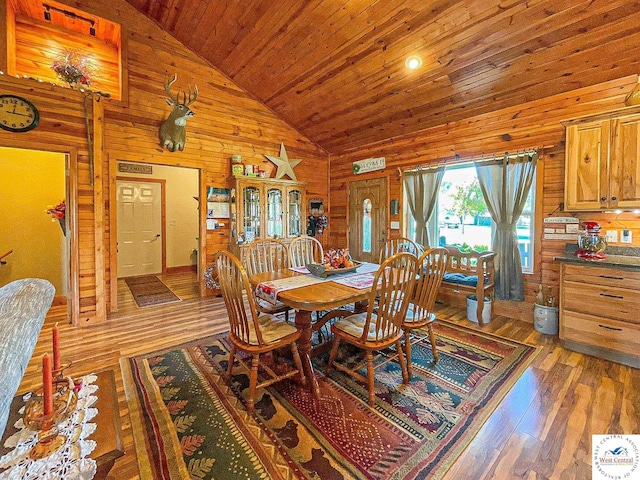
{"type": "Point", "coordinates": [469, 272]}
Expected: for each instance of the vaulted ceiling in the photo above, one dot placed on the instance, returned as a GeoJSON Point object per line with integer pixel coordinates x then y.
{"type": "Point", "coordinates": [335, 69]}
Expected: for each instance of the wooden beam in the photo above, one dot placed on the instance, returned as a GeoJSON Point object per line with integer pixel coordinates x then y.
{"type": "Point", "coordinates": [98, 206]}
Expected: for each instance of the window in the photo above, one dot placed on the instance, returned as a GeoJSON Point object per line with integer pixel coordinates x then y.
{"type": "Point", "coordinates": [366, 225]}
{"type": "Point", "coordinates": [461, 216]}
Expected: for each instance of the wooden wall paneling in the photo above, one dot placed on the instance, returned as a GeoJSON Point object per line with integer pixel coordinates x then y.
{"type": "Point", "coordinates": [533, 124]}
{"type": "Point", "coordinates": [8, 32]}
{"type": "Point", "coordinates": [226, 121]}
{"type": "Point", "coordinates": [62, 129]}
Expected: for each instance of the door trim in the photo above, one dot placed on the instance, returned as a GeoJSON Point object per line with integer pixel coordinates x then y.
{"type": "Point", "coordinates": [113, 159]}
{"type": "Point", "coordinates": [71, 185]}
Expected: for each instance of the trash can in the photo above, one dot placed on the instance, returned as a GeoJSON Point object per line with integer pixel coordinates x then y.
{"type": "Point", "coordinates": [545, 319]}
{"type": "Point", "coordinates": [472, 309]}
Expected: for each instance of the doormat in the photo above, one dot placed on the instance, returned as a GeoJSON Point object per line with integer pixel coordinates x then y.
{"type": "Point", "coordinates": [188, 422]}
{"type": "Point", "coordinates": [148, 290]}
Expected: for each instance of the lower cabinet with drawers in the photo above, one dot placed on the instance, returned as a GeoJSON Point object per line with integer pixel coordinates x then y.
{"type": "Point", "coordinates": [600, 312]}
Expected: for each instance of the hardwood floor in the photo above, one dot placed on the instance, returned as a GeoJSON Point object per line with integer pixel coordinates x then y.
{"type": "Point", "coordinates": [541, 430]}
{"type": "Point", "coordinates": [184, 285]}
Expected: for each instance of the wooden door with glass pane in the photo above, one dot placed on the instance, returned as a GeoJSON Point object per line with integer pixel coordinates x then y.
{"type": "Point", "coordinates": [367, 216]}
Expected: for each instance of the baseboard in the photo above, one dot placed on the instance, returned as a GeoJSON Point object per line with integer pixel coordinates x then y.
{"type": "Point", "coordinates": [59, 300]}
{"type": "Point", "coordinates": [600, 352]}
{"type": "Point", "coordinates": [181, 269]}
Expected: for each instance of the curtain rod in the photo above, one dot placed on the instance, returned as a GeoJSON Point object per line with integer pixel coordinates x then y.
{"type": "Point", "coordinates": [457, 161]}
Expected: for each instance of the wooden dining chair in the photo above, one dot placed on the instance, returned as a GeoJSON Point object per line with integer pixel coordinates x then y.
{"type": "Point", "coordinates": [268, 255]}
{"type": "Point", "coordinates": [303, 250]}
{"type": "Point", "coordinates": [431, 267]}
{"type": "Point", "coordinates": [250, 332]}
{"type": "Point", "coordinates": [381, 325]}
{"type": "Point", "coordinates": [397, 245]}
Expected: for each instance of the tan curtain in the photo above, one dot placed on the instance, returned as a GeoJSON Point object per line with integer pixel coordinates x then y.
{"type": "Point", "coordinates": [422, 188]}
{"type": "Point", "coordinates": [505, 186]}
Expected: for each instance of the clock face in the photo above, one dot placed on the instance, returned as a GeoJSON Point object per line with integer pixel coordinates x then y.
{"type": "Point", "coordinates": [17, 114]}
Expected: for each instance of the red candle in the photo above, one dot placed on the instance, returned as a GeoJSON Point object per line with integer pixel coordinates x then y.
{"type": "Point", "coordinates": [56, 348]}
{"type": "Point", "coordinates": [47, 384]}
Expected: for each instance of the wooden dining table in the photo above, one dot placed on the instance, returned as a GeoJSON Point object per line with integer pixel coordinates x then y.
{"type": "Point", "coordinates": [306, 300]}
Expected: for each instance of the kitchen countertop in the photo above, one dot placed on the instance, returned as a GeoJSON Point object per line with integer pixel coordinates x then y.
{"type": "Point", "coordinates": [620, 257]}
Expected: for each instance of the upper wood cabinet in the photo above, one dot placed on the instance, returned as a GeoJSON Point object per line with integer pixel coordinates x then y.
{"type": "Point", "coordinates": [267, 208]}
{"type": "Point", "coordinates": [602, 169]}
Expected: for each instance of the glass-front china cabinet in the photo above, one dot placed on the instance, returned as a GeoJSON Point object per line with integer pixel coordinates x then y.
{"type": "Point", "coordinates": [265, 208]}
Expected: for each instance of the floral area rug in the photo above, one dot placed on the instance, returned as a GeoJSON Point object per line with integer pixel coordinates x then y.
{"type": "Point", "coordinates": [189, 423]}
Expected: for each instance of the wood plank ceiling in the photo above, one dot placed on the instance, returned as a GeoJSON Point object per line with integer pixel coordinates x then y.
{"type": "Point", "coordinates": [335, 69]}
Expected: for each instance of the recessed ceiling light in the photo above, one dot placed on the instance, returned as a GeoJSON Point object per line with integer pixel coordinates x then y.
{"type": "Point", "coordinates": [413, 62]}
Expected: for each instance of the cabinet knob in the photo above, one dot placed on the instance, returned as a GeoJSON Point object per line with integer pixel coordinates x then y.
{"type": "Point", "coordinates": [603, 199]}
{"type": "Point", "coordinates": [614, 198]}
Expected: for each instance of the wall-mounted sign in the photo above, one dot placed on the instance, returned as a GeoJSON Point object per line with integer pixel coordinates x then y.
{"type": "Point", "coordinates": [561, 220]}
{"type": "Point", "coordinates": [135, 168]}
{"type": "Point", "coordinates": [369, 165]}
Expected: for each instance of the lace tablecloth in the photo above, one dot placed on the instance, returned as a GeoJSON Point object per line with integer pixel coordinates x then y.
{"type": "Point", "coordinates": [71, 461]}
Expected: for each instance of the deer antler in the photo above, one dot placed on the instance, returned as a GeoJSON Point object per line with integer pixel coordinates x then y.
{"type": "Point", "coordinates": [168, 82]}
{"type": "Point", "coordinates": [193, 95]}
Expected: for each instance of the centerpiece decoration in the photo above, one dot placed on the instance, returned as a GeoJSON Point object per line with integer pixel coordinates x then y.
{"type": "Point", "coordinates": [73, 69]}
{"type": "Point", "coordinates": [58, 214]}
{"type": "Point", "coordinates": [334, 261]}
{"type": "Point", "coordinates": [339, 258]}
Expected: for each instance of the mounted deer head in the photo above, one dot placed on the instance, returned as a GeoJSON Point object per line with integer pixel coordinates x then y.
{"type": "Point", "coordinates": [172, 132]}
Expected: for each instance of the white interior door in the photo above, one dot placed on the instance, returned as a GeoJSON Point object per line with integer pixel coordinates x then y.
{"type": "Point", "coordinates": [139, 228]}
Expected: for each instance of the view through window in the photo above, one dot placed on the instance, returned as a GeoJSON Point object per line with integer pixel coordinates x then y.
{"type": "Point", "coordinates": [461, 217]}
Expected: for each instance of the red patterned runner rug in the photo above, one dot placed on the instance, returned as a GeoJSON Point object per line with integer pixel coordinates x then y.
{"type": "Point", "coordinates": [189, 423]}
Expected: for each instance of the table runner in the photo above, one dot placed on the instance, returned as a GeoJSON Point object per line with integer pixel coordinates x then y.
{"type": "Point", "coordinates": [361, 279]}
{"type": "Point", "coordinates": [270, 290]}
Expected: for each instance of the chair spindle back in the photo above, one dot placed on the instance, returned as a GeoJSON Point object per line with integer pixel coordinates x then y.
{"type": "Point", "coordinates": [236, 290]}
{"type": "Point", "coordinates": [396, 279]}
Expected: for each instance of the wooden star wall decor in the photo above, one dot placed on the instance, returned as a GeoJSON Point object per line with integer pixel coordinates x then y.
{"type": "Point", "coordinates": [285, 166]}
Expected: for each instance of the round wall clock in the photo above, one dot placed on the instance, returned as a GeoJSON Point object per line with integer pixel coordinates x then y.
{"type": "Point", "coordinates": [17, 114]}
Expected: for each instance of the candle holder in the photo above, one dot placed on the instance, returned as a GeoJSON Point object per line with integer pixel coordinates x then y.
{"type": "Point", "coordinates": [65, 400]}
{"type": "Point", "coordinates": [58, 373]}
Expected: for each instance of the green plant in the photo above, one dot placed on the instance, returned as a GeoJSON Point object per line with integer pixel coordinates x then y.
{"type": "Point", "coordinates": [466, 248]}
